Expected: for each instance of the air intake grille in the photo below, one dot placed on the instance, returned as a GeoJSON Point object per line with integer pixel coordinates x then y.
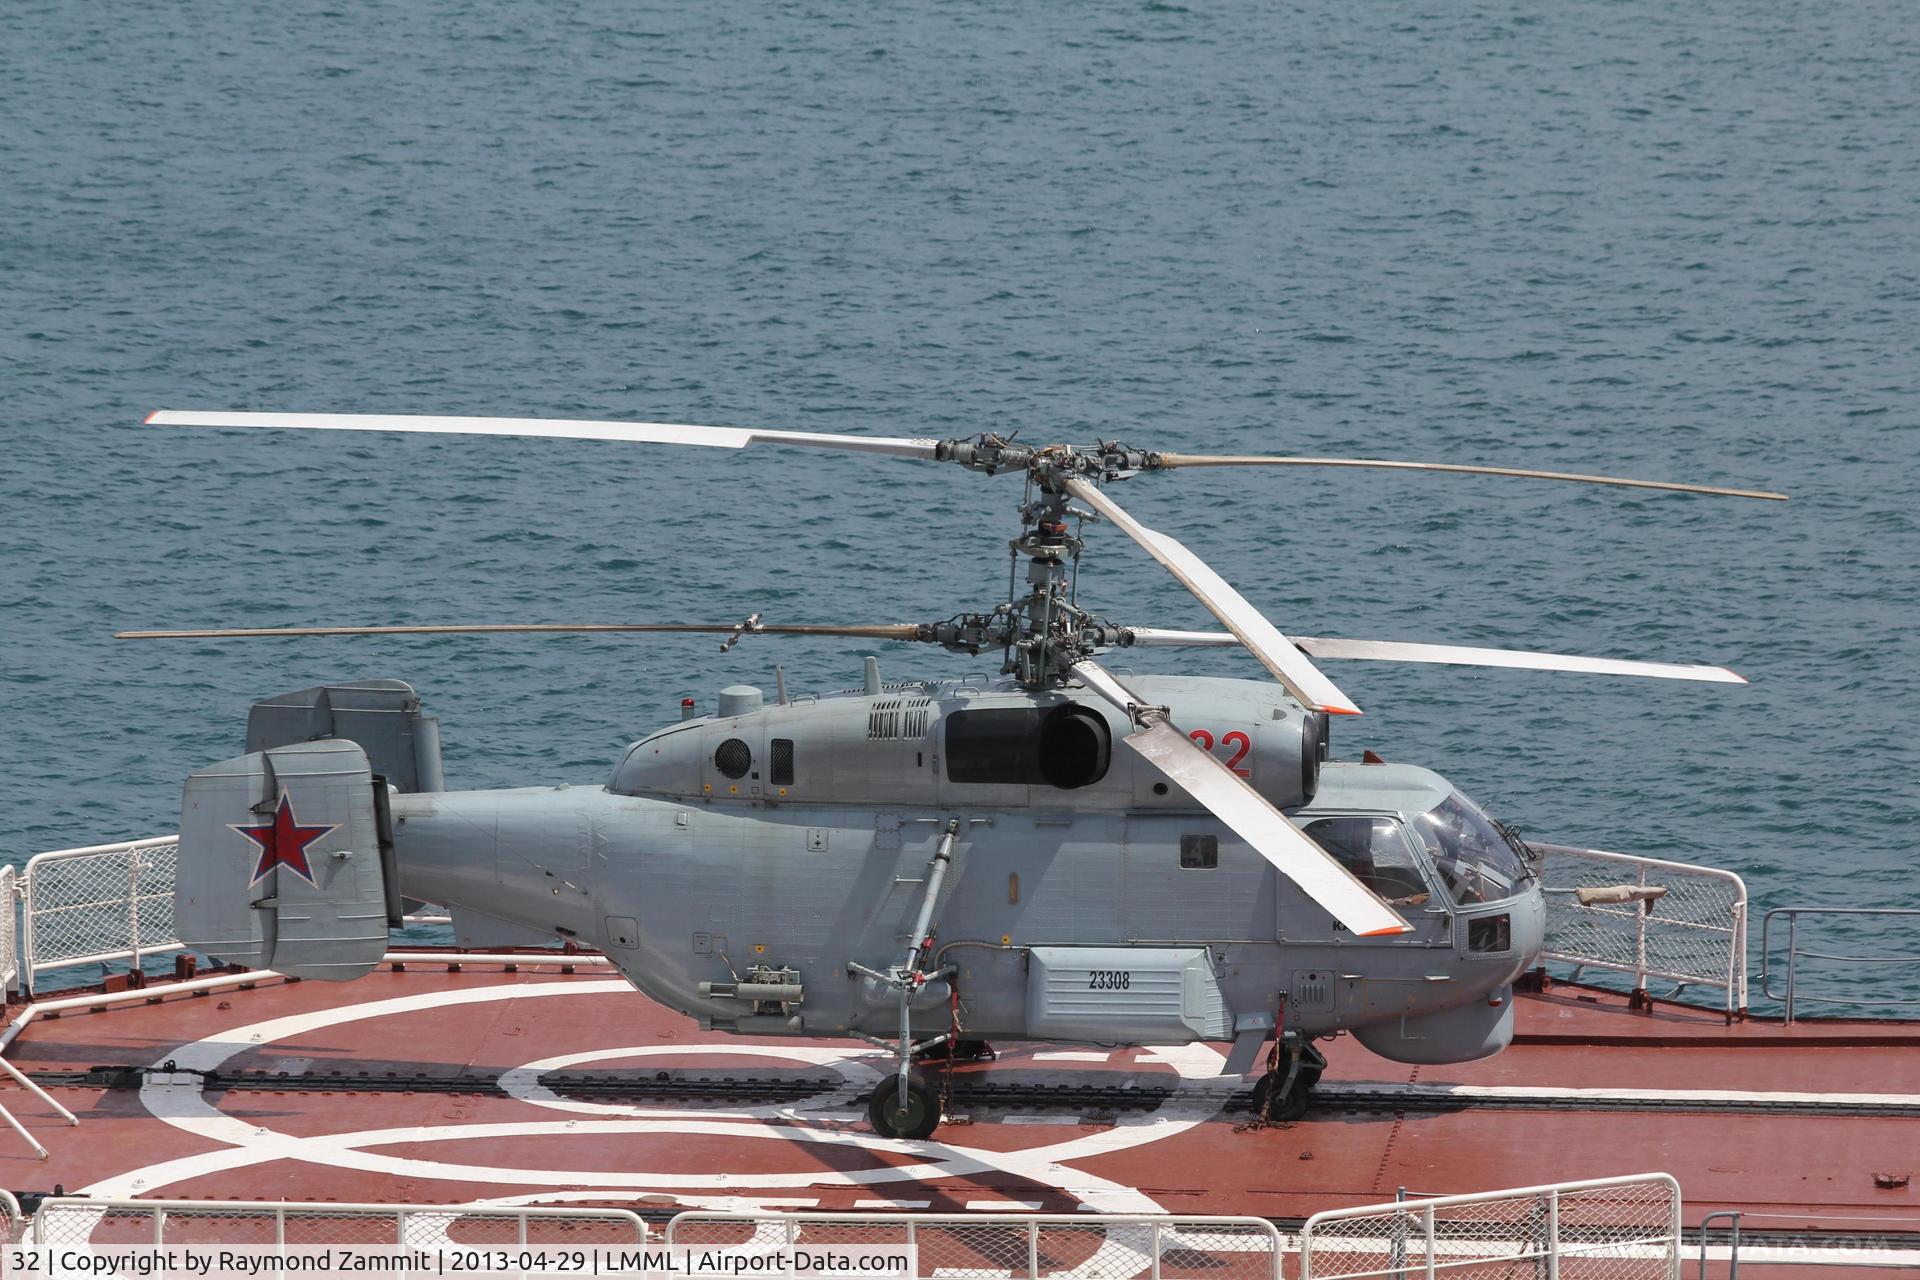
{"type": "Point", "coordinates": [899, 718]}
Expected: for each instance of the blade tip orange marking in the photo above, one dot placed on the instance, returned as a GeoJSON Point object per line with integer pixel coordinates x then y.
{"type": "Point", "coordinates": [1389, 931]}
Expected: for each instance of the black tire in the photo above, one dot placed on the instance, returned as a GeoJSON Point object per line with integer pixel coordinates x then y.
{"type": "Point", "coordinates": [1290, 1107]}
{"type": "Point", "coordinates": [920, 1118]}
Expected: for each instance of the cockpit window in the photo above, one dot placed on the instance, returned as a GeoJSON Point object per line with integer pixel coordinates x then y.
{"type": "Point", "coordinates": [1374, 850]}
{"type": "Point", "coordinates": [1473, 858]}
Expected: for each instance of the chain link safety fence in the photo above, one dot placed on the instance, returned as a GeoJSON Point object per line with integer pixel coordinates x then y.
{"type": "Point", "coordinates": [99, 904]}
{"type": "Point", "coordinates": [1603, 1229]}
{"type": "Point", "coordinates": [977, 1246]}
{"type": "Point", "coordinates": [76, 1221]}
{"type": "Point", "coordinates": [1675, 921]}
{"type": "Point", "coordinates": [9, 931]}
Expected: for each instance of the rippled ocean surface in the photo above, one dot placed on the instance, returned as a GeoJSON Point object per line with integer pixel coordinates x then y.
{"type": "Point", "coordinates": [1641, 238]}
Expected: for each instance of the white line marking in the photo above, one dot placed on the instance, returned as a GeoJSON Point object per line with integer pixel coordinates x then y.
{"type": "Point", "coordinates": [1070, 1055]}
{"type": "Point", "coordinates": [1004, 1206]}
{"type": "Point", "coordinates": [893, 1204]}
{"type": "Point", "coordinates": [1554, 1094]}
{"type": "Point", "coordinates": [187, 1109]}
{"type": "Point", "coordinates": [1054, 1119]}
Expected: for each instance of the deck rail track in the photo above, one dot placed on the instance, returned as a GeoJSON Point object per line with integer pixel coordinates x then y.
{"type": "Point", "coordinates": [1011, 1096]}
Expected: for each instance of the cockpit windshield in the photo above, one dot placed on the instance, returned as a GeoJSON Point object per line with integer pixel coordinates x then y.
{"type": "Point", "coordinates": [1474, 860]}
{"type": "Point", "coordinates": [1377, 854]}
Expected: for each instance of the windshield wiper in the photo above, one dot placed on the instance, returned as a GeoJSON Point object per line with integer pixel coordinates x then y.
{"type": "Point", "coordinates": [1532, 861]}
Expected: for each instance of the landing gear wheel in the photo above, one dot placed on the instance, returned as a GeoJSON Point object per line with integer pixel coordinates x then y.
{"type": "Point", "coordinates": [922, 1114]}
{"type": "Point", "coordinates": [1293, 1104]}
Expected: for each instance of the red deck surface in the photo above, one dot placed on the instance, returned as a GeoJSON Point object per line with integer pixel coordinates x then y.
{"type": "Point", "coordinates": [1189, 1155]}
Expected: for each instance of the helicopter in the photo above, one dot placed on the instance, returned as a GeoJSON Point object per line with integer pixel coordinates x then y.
{"type": "Point", "coordinates": [1053, 853]}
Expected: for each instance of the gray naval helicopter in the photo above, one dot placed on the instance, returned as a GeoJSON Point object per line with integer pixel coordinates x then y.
{"type": "Point", "coordinates": [1056, 854]}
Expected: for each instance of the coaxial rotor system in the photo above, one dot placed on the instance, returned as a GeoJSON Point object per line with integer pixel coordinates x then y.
{"type": "Point", "coordinates": [1048, 639]}
{"type": "Point", "coordinates": [1044, 631]}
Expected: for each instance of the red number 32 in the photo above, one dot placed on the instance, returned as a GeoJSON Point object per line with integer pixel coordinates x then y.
{"type": "Point", "coordinates": [1205, 738]}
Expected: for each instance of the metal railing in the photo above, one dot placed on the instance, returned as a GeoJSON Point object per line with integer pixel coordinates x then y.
{"type": "Point", "coordinates": [1679, 922]}
{"type": "Point", "coordinates": [1733, 1242]}
{"type": "Point", "coordinates": [98, 904]}
{"type": "Point", "coordinates": [1600, 1229]}
{"type": "Point", "coordinates": [1790, 994]}
{"type": "Point", "coordinates": [9, 930]}
{"type": "Point", "coordinates": [76, 1220]}
{"type": "Point", "coordinates": [1032, 1246]}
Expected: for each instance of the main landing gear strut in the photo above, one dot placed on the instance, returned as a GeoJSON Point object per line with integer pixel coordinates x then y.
{"type": "Point", "coordinates": [906, 1105]}
{"type": "Point", "coordinates": [1281, 1094]}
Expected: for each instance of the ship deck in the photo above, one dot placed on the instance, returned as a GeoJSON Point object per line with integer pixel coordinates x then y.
{"type": "Point", "coordinates": [444, 1083]}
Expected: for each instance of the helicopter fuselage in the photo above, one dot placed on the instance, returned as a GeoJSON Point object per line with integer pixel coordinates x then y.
{"type": "Point", "coordinates": [753, 869]}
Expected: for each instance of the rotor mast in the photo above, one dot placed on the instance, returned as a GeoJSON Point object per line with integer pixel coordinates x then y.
{"type": "Point", "coordinates": [1044, 632]}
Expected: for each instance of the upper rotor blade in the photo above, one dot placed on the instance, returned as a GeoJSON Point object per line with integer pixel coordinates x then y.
{"type": "Point", "coordinates": [1172, 460]}
{"type": "Point", "coordinates": [883, 631]}
{"type": "Point", "coordinates": [1467, 656]}
{"type": "Point", "coordinates": [1230, 798]}
{"type": "Point", "coordinates": [1277, 653]}
{"type": "Point", "coordinates": [564, 428]}
{"type": "Point", "coordinates": [1452, 654]}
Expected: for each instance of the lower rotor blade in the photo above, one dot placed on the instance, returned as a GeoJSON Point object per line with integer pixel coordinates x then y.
{"type": "Point", "coordinates": [1276, 653]}
{"type": "Point", "coordinates": [1170, 461]}
{"type": "Point", "coordinates": [1230, 798]}
{"type": "Point", "coordinates": [1451, 655]}
{"type": "Point", "coordinates": [887, 631]}
{"type": "Point", "coordinates": [563, 428]}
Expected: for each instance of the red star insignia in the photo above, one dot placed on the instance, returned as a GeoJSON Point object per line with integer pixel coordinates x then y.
{"type": "Point", "coordinates": [283, 842]}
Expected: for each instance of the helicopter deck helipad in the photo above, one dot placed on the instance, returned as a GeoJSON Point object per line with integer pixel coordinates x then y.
{"type": "Point", "coordinates": [529, 1080]}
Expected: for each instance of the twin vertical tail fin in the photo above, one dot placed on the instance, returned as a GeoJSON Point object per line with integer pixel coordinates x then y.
{"type": "Point", "coordinates": [384, 717]}
{"type": "Point", "coordinates": [281, 856]}
{"type": "Point", "coordinates": [286, 853]}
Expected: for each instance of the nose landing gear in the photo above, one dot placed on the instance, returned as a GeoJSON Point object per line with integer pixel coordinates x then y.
{"type": "Point", "coordinates": [1281, 1094]}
